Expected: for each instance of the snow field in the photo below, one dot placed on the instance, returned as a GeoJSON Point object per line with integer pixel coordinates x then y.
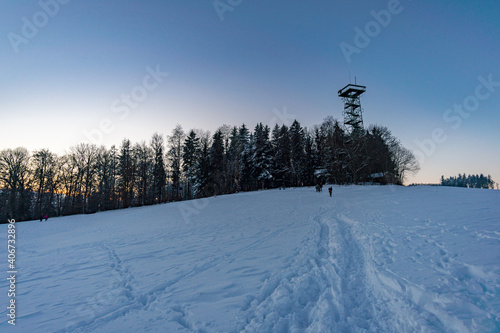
{"type": "Point", "coordinates": [370, 259]}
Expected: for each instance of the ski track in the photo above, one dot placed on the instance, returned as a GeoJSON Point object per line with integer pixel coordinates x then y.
{"type": "Point", "coordinates": [330, 291]}
{"type": "Point", "coordinates": [340, 285]}
{"type": "Point", "coordinates": [432, 307]}
{"type": "Point", "coordinates": [130, 299]}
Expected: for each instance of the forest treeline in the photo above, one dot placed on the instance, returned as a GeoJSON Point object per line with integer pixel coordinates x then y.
{"type": "Point", "coordinates": [90, 178]}
{"type": "Point", "coordinates": [469, 181]}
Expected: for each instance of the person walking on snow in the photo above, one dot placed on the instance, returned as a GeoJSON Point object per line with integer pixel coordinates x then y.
{"type": "Point", "coordinates": [330, 191]}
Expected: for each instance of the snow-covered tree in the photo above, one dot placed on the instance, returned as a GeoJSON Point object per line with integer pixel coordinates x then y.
{"type": "Point", "coordinates": [190, 156]}
{"type": "Point", "coordinates": [281, 155]}
{"type": "Point", "coordinates": [261, 155]}
{"type": "Point", "coordinates": [202, 176]}
{"type": "Point", "coordinates": [244, 152]}
{"type": "Point", "coordinates": [217, 163]}
{"type": "Point", "coordinates": [297, 153]}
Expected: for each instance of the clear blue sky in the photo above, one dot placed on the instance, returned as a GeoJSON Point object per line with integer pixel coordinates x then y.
{"type": "Point", "coordinates": [73, 70]}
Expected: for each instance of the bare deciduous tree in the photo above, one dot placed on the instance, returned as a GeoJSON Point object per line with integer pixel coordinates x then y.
{"type": "Point", "coordinates": [14, 178]}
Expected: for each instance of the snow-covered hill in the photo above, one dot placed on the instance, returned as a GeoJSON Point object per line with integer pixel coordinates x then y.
{"type": "Point", "coordinates": [376, 259]}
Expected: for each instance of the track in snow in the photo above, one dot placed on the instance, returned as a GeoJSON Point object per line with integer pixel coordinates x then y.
{"type": "Point", "coordinates": [328, 288]}
{"type": "Point", "coordinates": [370, 259]}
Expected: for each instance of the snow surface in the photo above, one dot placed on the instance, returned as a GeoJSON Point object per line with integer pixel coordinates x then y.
{"type": "Point", "coordinates": [370, 259]}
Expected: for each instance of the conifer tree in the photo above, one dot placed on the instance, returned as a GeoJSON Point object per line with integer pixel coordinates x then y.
{"type": "Point", "coordinates": [126, 170]}
{"type": "Point", "coordinates": [244, 152]}
{"type": "Point", "coordinates": [159, 173]}
{"type": "Point", "coordinates": [190, 156]}
{"type": "Point", "coordinates": [310, 160]}
{"type": "Point", "coordinates": [144, 162]}
{"type": "Point", "coordinates": [233, 161]}
{"type": "Point", "coordinates": [217, 166]}
{"type": "Point", "coordinates": [262, 155]}
{"type": "Point", "coordinates": [281, 155]}
{"type": "Point", "coordinates": [297, 153]}
{"type": "Point", "coordinates": [175, 158]}
{"type": "Point", "coordinates": [202, 172]}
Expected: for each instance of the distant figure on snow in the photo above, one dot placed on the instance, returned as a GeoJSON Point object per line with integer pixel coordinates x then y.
{"type": "Point", "coordinates": [41, 218]}
{"type": "Point", "coordinates": [330, 190]}
{"type": "Point", "coordinates": [46, 217]}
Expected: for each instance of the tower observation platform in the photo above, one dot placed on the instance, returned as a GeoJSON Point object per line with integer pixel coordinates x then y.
{"type": "Point", "coordinates": [353, 113]}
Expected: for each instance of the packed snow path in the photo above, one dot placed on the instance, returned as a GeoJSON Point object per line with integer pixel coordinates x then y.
{"type": "Point", "coordinates": [370, 259]}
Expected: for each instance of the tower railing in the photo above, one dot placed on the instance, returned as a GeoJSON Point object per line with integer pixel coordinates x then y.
{"type": "Point", "coordinates": [353, 112]}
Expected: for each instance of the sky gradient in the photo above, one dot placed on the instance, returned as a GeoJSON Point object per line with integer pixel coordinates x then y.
{"type": "Point", "coordinates": [74, 70]}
